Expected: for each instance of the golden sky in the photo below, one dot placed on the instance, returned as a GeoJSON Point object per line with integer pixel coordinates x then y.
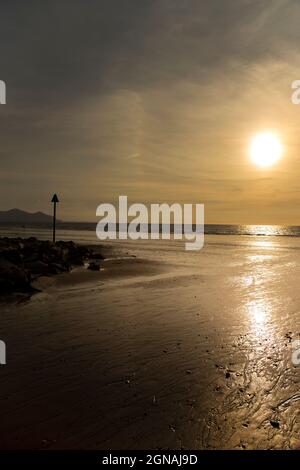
{"type": "Point", "coordinates": [158, 101]}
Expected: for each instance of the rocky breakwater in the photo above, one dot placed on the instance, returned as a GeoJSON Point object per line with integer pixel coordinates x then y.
{"type": "Point", "coordinates": [24, 260]}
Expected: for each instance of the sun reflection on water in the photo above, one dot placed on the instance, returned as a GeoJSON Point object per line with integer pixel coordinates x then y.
{"type": "Point", "coordinates": [266, 230]}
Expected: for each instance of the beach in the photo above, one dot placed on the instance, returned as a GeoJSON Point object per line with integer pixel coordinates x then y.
{"type": "Point", "coordinates": [160, 349]}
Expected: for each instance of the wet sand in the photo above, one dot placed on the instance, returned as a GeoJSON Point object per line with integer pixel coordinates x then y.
{"type": "Point", "coordinates": [161, 349]}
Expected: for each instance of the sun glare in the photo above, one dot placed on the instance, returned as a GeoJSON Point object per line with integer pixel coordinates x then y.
{"type": "Point", "coordinates": [265, 149]}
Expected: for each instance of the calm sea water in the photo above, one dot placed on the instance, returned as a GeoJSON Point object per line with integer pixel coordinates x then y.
{"type": "Point", "coordinates": [79, 231]}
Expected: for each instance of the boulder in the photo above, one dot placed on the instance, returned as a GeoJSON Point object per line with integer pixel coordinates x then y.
{"type": "Point", "coordinates": [38, 268]}
{"type": "Point", "coordinates": [13, 278]}
{"type": "Point", "coordinates": [94, 266]}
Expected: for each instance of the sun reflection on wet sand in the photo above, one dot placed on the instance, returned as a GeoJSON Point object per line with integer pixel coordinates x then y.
{"type": "Point", "coordinates": [265, 244]}
{"type": "Point", "coordinates": [257, 313]}
{"type": "Point", "coordinates": [260, 258]}
{"type": "Point", "coordinates": [260, 313]}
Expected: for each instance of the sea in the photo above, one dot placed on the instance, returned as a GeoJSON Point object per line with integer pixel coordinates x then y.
{"type": "Point", "coordinates": [85, 232]}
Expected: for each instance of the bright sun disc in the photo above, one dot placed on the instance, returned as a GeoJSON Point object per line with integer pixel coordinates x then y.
{"type": "Point", "coordinates": [266, 149]}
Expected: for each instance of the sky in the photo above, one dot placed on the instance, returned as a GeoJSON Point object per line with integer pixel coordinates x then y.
{"type": "Point", "coordinates": [154, 99]}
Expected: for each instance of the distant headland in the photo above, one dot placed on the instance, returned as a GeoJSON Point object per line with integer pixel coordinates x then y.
{"type": "Point", "coordinates": [21, 217]}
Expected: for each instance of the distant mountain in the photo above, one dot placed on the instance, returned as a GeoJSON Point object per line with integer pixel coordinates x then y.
{"type": "Point", "coordinates": [22, 217]}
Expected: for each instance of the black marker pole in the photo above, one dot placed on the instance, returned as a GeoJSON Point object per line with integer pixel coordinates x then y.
{"type": "Point", "coordinates": [55, 201]}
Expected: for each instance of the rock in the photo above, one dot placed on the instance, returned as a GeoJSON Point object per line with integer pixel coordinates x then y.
{"type": "Point", "coordinates": [94, 266]}
{"type": "Point", "coordinates": [30, 258]}
{"type": "Point", "coordinates": [12, 255]}
{"type": "Point", "coordinates": [57, 268]}
{"type": "Point", "coordinates": [38, 267]}
{"type": "Point", "coordinates": [13, 278]}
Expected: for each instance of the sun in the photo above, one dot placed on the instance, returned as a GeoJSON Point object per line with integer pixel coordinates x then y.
{"type": "Point", "coordinates": [265, 149]}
